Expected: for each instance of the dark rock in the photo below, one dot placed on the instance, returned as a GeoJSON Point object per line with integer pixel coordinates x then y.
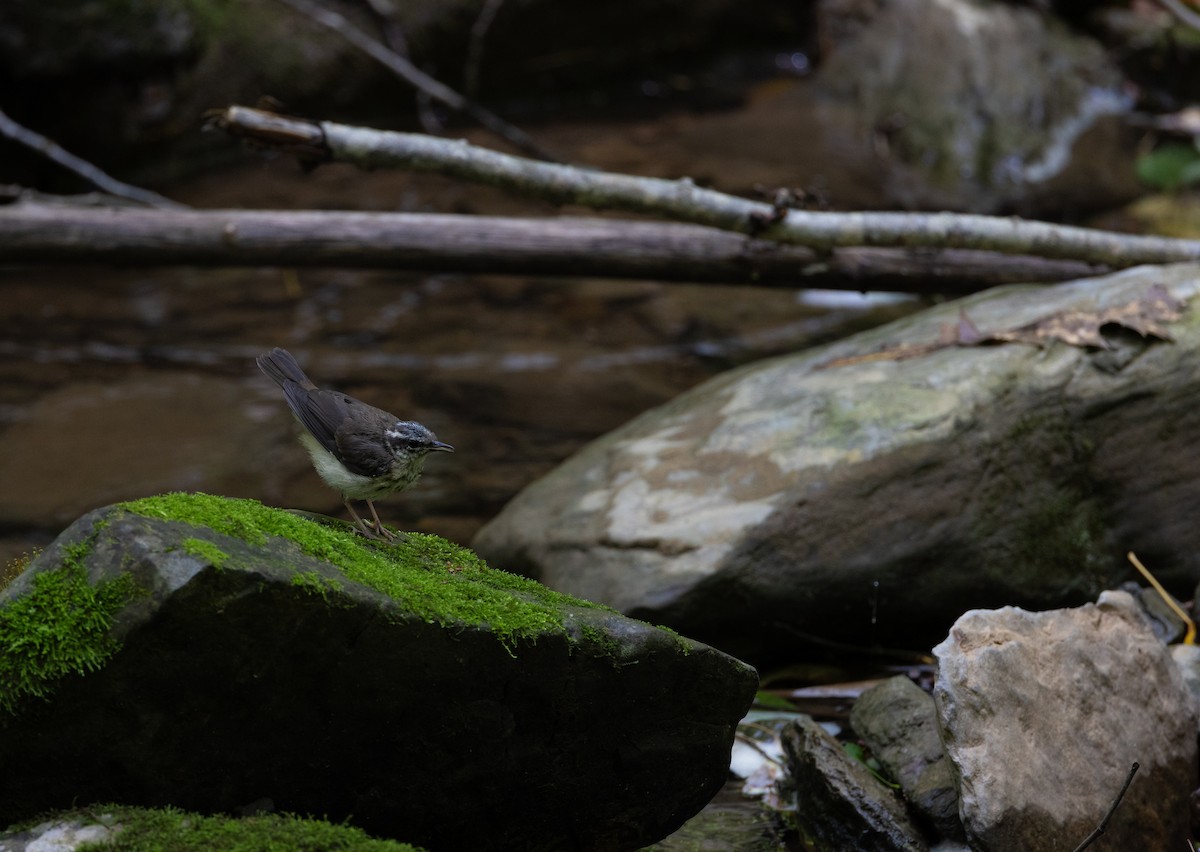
{"type": "Point", "coordinates": [409, 689]}
{"type": "Point", "coordinates": [845, 493]}
{"type": "Point", "coordinates": [1168, 627]}
{"type": "Point", "coordinates": [838, 801]}
{"type": "Point", "coordinates": [1043, 714]}
{"type": "Point", "coordinates": [126, 34]}
{"type": "Point", "coordinates": [898, 721]}
{"type": "Point", "coordinates": [730, 823]}
{"type": "Point", "coordinates": [139, 73]}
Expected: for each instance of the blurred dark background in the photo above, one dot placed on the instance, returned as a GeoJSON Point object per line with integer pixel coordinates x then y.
{"type": "Point", "coordinates": [117, 383]}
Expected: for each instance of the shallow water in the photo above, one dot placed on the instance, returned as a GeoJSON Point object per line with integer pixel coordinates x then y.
{"type": "Point", "coordinates": [118, 383]}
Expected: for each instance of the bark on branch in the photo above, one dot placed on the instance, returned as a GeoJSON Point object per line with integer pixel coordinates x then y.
{"type": "Point", "coordinates": [575, 246]}
{"type": "Point", "coordinates": [682, 200]}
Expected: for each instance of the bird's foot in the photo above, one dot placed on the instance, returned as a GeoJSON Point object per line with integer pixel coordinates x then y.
{"type": "Point", "coordinates": [383, 533]}
{"type": "Point", "coordinates": [375, 531]}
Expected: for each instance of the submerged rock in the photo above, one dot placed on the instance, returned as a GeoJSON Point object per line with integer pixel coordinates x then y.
{"type": "Point", "coordinates": [207, 653]}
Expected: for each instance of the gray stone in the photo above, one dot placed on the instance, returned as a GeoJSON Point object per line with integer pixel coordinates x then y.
{"type": "Point", "coordinates": [56, 835]}
{"type": "Point", "coordinates": [206, 653]}
{"type": "Point", "coordinates": [1043, 715]}
{"type": "Point", "coordinates": [923, 90]}
{"type": "Point", "coordinates": [898, 722]}
{"type": "Point", "coordinates": [838, 801]}
{"type": "Point", "coordinates": [881, 497]}
{"type": "Point", "coordinates": [1187, 657]}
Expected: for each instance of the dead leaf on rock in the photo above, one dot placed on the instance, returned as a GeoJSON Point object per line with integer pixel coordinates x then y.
{"type": "Point", "coordinates": [1148, 316]}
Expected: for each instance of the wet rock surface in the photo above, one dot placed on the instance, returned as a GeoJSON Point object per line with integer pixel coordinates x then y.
{"type": "Point", "coordinates": [839, 801]}
{"type": "Point", "coordinates": [1043, 715]}
{"type": "Point", "coordinates": [882, 496]}
{"type": "Point", "coordinates": [243, 671]}
{"type": "Point", "coordinates": [898, 722]}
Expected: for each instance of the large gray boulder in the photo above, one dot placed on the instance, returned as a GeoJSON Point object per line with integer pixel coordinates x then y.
{"type": "Point", "coordinates": [209, 654]}
{"type": "Point", "coordinates": [873, 489]}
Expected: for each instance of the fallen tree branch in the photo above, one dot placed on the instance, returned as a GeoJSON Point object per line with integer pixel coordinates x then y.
{"type": "Point", "coordinates": [51, 150]}
{"type": "Point", "coordinates": [567, 246]}
{"type": "Point", "coordinates": [683, 201]}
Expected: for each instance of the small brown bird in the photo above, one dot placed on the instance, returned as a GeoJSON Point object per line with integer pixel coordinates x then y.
{"type": "Point", "coordinates": [361, 451]}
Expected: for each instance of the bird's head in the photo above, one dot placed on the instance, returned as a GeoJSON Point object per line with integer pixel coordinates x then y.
{"type": "Point", "coordinates": [410, 441]}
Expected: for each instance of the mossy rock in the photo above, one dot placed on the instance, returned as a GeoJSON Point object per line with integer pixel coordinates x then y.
{"type": "Point", "coordinates": [232, 652]}
{"type": "Point", "coordinates": [118, 828]}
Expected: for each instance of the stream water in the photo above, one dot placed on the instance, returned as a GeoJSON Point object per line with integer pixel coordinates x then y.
{"type": "Point", "coordinates": [118, 383]}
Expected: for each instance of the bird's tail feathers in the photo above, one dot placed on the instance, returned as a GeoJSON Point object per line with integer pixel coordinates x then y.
{"type": "Point", "coordinates": [282, 367]}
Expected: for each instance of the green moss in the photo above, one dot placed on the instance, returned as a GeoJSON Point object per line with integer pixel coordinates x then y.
{"type": "Point", "coordinates": [316, 584]}
{"type": "Point", "coordinates": [684, 645]}
{"type": "Point", "coordinates": [228, 516]}
{"type": "Point", "coordinates": [171, 830]}
{"type": "Point", "coordinates": [428, 576]}
{"type": "Point", "coordinates": [598, 638]}
{"type": "Point", "coordinates": [60, 627]}
{"type": "Point", "coordinates": [206, 550]}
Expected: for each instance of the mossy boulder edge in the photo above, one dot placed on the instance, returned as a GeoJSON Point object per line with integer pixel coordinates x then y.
{"type": "Point", "coordinates": [246, 653]}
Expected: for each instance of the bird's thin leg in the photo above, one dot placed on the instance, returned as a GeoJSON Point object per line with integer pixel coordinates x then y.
{"type": "Point", "coordinates": [379, 527]}
{"type": "Point", "coordinates": [362, 525]}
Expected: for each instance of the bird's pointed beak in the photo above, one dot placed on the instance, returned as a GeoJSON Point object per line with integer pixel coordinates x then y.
{"type": "Point", "coordinates": [440, 447]}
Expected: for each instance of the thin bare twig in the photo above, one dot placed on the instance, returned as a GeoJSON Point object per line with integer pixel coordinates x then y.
{"type": "Point", "coordinates": [51, 150]}
{"type": "Point", "coordinates": [682, 200]}
{"type": "Point", "coordinates": [417, 78]}
{"type": "Point", "coordinates": [1103, 826]}
{"type": "Point", "coordinates": [393, 36]}
{"type": "Point", "coordinates": [474, 58]}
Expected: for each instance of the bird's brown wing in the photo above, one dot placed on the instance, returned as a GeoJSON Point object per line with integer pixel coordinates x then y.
{"type": "Point", "coordinates": [362, 450]}
{"type": "Point", "coordinates": [321, 412]}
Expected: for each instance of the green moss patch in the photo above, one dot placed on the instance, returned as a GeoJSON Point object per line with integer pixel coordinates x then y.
{"type": "Point", "coordinates": [434, 579]}
{"type": "Point", "coordinates": [59, 628]}
{"type": "Point", "coordinates": [205, 550]}
{"type": "Point", "coordinates": [171, 830]}
{"type": "Point", "coordinates": [316, 584]}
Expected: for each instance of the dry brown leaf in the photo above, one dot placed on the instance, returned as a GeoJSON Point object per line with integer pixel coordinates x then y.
{"type": "Point", "coordinates": [1148, 315]}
